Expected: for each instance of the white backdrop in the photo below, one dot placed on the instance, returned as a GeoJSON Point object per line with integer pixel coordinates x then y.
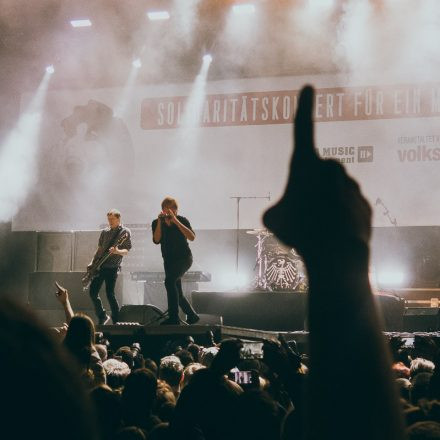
{"type": "Point", "coordinates": [92, 158]}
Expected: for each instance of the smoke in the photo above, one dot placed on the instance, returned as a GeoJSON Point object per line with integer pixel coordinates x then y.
{"type": "Point", "coordinates": [18, 156]}
{"type": "Point", "coordinates": [396, 42]}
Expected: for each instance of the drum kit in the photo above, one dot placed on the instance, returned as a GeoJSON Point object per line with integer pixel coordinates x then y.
{"type": "Point", "coordinates": [278, 267]}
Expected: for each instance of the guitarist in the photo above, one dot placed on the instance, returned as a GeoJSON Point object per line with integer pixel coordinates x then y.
{"type": "Point", "coordinates": [108, 271]}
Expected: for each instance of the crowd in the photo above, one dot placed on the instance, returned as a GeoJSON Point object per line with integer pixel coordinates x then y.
{"type": "Point", "coordinates": [71, 386]}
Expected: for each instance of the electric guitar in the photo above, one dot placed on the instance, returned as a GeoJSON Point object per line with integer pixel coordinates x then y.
{"type": "Point", "coordinates": [93, 269]}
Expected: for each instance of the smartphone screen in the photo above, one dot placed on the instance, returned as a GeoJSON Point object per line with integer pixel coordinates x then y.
{"type": "Point", "coordinates": [252, 350]}
{"type": "Point", "coordinates": [408, 342]}
{"type": "Point", "coordinates": [243, 377]}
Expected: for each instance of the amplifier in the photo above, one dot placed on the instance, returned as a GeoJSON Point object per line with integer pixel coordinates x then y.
{"type": "Point", "coordinates": [195, 276]}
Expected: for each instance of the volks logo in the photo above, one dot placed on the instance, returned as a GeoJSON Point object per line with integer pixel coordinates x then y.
{"type": "Point", "coordinates": [361, 154]}
{"type": "Point", "coordinates": [421, 153]}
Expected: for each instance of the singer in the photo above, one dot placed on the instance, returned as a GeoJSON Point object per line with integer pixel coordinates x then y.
{"type": "Point", "coordinates": [173, 231]}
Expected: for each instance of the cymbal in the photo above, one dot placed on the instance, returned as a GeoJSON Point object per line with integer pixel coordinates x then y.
{"type": "Point", "coordinates": [259, 232]}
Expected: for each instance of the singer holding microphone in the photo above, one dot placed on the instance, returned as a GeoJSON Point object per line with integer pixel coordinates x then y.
{"type": "Point", "coordinates": [173, 231]}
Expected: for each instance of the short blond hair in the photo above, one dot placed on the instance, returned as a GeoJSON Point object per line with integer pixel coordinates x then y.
{"type": "Point", "coordinates": [169, 201]}
{"type": "Point", "coordinates": [114, 212]}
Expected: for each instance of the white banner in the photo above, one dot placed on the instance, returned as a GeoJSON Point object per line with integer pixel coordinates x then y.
{"type": "Point", "coordinates": [94, 155]}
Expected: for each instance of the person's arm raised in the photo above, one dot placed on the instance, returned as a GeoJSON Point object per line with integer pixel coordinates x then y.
{"type": "Point", "coordinates": [157, 233]}
{"type": "Point", "coordinates": [325, 217]}
{"type": "Point", "coordinates": [63, 297]}
{"type": "Point", "coordinates": [187, 232]}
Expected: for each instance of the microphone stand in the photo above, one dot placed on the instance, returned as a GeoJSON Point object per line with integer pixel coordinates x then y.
{"type": "Point", "coordinates": [386, 212]}
{"type": "Point", "coordinates": [238, 199]}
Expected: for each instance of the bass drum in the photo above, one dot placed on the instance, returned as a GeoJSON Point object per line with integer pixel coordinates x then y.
{"type": "Point", "coordinates": [282, 272]}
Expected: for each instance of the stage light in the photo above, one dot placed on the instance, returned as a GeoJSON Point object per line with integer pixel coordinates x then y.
{"type": "Point", "coordinates": [391, 278]}
{"type": "Point", "coordinates": [50, 69]}
{"type": "Point", "coordinates": [81, 23]}
{"type": "Point", "coordinates": [137, 63]}
{"type": "Point", "coordinates": [244, 8]}
{"type": "Point", "coordinates": [158, 15]}
{"type": "Point", "coordinates": [207, 58]}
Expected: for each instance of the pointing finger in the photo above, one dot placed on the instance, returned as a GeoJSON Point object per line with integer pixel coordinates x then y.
{"type": "Point", "coordinates": [304, 150]}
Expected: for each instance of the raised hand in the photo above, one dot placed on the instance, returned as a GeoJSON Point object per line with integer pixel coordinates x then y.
{"type": "Point", "coordinates": [61, 293]}
{"type": "Point", "coordinates": [322, 207]}
{"type": "Point", "coordinates": [170, 214]}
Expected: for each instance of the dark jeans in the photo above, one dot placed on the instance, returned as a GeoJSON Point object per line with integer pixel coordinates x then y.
{"type": "Point", "coordinates": [174, 270]}
{"type": "Point", "coordinates": [107, 275]}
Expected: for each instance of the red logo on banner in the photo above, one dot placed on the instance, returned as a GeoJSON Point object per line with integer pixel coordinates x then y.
{"type": "Point", "coordinates": [278, 107]}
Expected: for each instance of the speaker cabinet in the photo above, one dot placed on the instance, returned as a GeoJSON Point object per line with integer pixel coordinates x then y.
{"type": "Point", "coordinates": [421, 319]}
{"type": "Point", "coordinates": [256, 310]}
{"type": "Point", "coordinates": [85, 245]}
{"type": "Point", "coordinates": [42, 290]}
{"type": "Point", "coordinates": [143, 314]}
{"type": "Point", "coordinates": [54, 251]}
{"type": "Point", "coordinates": [156, 294]}
{"type": "Point", "coordinates": [392, 308]}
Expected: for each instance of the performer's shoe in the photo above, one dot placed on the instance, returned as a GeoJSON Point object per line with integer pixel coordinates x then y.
{"type": "Point", "coordinates": [192, 319]}
{"type": "Point", "coordinates": [104, 320]}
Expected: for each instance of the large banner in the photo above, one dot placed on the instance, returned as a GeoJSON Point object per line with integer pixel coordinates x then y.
{"type": "Point", "coordinates": [129, 148]}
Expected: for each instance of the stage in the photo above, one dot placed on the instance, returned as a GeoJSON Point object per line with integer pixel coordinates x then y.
{"type": "Point", "coordinates": [154, 338]}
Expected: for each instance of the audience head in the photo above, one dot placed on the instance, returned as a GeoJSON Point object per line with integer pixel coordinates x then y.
{"type": "Point", "coordinates": [126, 355]}
{"type": "Point", "coordinates": [401, 370]}
{"type": "Point", "coordinates": [102, 351]}
{"type": "Point", "coordinates": [424, 431]}
{"type": "Point", "coordinates": [207, 355]}
{"type": "Point", "coordinates": [108, 409]}
{"type": "Point", "coordinates": [404, 387]}
{"type": "Point", "coordinates": [139, 394]}
{"type": "Point", "coordinates": [171, 370]}
{"type": "Point", "coordinates": [194, 349]}
{"type": "Point", "coordinates": [80, 338]}
{"type": "Point", "coordinates": [189, 371]}
{"type": "Point", "coordinates": [116, 372]}
{"type": "Point", "coordinates": [185, 357]}
{"type": "Point", "coordinates": [420, 365]}
{"type": "Point", "coordinates": [151, 365]}
{"type": "Point", "coordinates": [420, 387]}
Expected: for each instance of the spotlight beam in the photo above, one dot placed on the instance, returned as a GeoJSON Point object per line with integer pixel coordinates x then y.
{"type": "Point", "coordinates": [18, 155]}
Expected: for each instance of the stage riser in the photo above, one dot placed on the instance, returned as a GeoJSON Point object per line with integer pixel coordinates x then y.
{"type": "Point", "coordinates": [421, 320]}
{"type": "Point", "coordinates": [278, 311]}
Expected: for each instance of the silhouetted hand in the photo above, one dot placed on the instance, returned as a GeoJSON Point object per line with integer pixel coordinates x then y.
{"type": "Point", "coordinates": [228, 356]}
{"type": "Point", "coordinates": [62, 294]}
{"type": "Point", "coordinates": [322, 207]}
{"type": "Point", "coordinates": [275, 356]}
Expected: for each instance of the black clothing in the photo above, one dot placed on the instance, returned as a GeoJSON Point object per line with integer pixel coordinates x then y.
{"type": "Point", "coordinates": [108, 238]}
{"type": "Point", "coordinates": [109, 275]}
{"type": "Point", "coordinates": [108, 272]}
{"type": "Point", "coordinates": [177, 259]}
{"type": "Point", "coordinates": [173, 244]}
{"type": "Point", "coordinates": [174, 272]}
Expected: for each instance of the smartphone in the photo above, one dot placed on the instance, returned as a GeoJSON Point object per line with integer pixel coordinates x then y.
{"type": "Point", "coordinates": [245, 378]}
{"type": "Point", "coordinates": [408, 342]}
{"type": "Point", "coordinates": [251, 350]}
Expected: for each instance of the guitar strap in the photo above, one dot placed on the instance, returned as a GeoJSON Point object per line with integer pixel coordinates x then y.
{"type": "Point", "coordinates": [112, 241]}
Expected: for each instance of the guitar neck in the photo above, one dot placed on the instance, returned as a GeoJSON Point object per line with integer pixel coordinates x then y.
{"type": "Point", "coordinates": [103, 260]}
